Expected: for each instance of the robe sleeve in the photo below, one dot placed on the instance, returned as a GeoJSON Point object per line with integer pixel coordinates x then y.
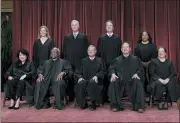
{"type": "Point", "coordinates": [120, 45]}
{"type": "Point", "coordinates": [64, 47]}
{"type": "Point", "coordinates": [140, 70]}
{"type": "Point", "coordinates": [41, 69]}
{"type": "Point", "coordinates": [172, 71]}
{"type": "Point", "coordinates": [136, 51]}
{"type": "Point", "coordinates": [86, 44]}
{"type": "Point", "coordinates": [112, 67]}
{"type": "Point", "coordinates": [9, 72]}
{"type": "Point", "coordinates": [79, 72]}
{"type": "Point", "coordinates": [154, 52]}
{"type": "Point", "coordinates": [152, 69]}
{"type": "Point", "coordinates": [51, 46]}
{"type": "Point", "coordinates": [99, 48]}
{"type": "Point", "coordinates": [32, 71]}
{"type": "Point", "coordinates": [68, 69]}
{"type": "Point", "coordinates": [100, 74]}
{"type": "Point", "coordinates": [34, 57]}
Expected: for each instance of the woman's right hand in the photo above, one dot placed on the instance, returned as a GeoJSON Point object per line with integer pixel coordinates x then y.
{"type": "Point", "coordinates": [10, 78]}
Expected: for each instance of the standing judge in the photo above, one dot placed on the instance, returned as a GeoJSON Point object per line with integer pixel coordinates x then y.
{"type": "Point", "coordinates": [126, 74]}
{"type": "Point", "coordinates": [145, 50]}
{"type": "Point", "coordinates": [108, 48]}
{"type": "Point", "coordinates": [90, 80]}
{"type": "Point", "coordinates": [52, 75]}
{"type": "Point", "coordinates": [42, 46]}
{"type": "Point", "coordinates": [75, 47]}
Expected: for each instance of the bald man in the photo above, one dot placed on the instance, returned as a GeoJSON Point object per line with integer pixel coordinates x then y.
{"type": "Point", "coordinates": [126, 77]}
{"type": "Point", "coordinates": [52, 75]}
{"type": "Point", "coordinates": [75, 47]}
{"type": "Point", "coordinates": [90, 80]}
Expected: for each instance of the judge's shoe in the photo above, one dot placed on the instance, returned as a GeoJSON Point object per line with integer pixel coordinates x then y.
{"type": "Point", "coordinates": [47, 106]}
{"type": "Point", "coordinates": [92, 106]}
{"type": "Point", "coordinates": [141, 110]}
{"type": "Point", "coordinates": [11, 107]}
{"type": "Point", "coordinates": [16, 108]}
{"type": "Point", "coordinates": [85, 106]}
{"type": "Point", "coordinates": [114, 109]}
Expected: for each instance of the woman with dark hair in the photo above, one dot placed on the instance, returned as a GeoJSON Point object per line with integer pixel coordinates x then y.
{"type": "Point", "coordinates": [162, 81]}
{"type": "Point", "coordinates": [145, 50]}
{"type": "Point", "coordinates": [18, 75]}
{"type": "Point", "coordinates": [42, 46]}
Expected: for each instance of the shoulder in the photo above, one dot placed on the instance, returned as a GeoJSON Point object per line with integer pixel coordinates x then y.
{"type": "Point", "coordinates": [153, 44]}
{"type": "Point", "coordinates": [116, 35]}
{"type": "Point", "coordinates": [36, 41]}
{"type": "Point", "coordinates": [84, 59]}
{"type": "Point", "coordinates": [99, 59]}
{"type": "Point", "coordinates": [155, 61]}
{"type": "Point", "coordinates": [102, 36]}
{"type": "Point", "coordinates": [169, 61]}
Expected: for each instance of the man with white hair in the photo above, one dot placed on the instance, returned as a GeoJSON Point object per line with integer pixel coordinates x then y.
{"type": "Point", "coordinates": [90, 80]}
{"type": "Point", "coordinates": [75, 47]}
{"type": "Point", "coordinates": [52, 75]}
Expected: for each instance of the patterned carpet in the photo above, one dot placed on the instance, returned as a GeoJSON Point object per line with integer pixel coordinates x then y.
{"type": "Point", "coordinates": [71, 114]}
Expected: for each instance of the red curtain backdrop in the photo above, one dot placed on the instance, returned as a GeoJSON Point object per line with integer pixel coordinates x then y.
{"type": "Point", "coordinates": [160, 17]}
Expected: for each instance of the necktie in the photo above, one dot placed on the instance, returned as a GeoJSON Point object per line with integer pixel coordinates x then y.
{"type": "Point", "coordinates": [75, 35]}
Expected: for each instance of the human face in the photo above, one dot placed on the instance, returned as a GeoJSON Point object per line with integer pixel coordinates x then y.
{"type": "Point", "coordinates": [145, 36]}
{"type": "Point", "coordinates": [75, 26]}
{"type": "Point", "coordinates": [91, 51]}
{"type": "Point", "coordinates": [161, 53]}
{"type": "Point", "coordinates": [125, 49]}
{"type": "Point", "coordinates": [43, 32]}
{"type": "Point", "coordinates": [54, 54]}
{"type": "Point", "coordinates": [22, 57]}
{"type": "Point", "coordinates": [109, 27]}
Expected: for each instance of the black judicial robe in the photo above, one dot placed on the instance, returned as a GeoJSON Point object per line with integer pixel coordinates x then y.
{"type": "Point", "coordinates": [41, 52]}
{"type": "Point", "coordinates": [89, 69]}
{"type": "Point", "coordinates": [16, 70]}
{"type": "Point", "coordinates": [145, 52]}
{"type": "Point", "coordinates": [125, 68]}
{"type": "Point", "coordinates": [162, 70]}
{"type": "Point", "coordinates": [50, 70]}
{"type": "Point", "coordinates": [109, 48]}
{"type": "Point", "coordinates": [75, 49]}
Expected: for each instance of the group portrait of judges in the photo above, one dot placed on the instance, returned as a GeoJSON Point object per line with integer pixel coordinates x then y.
{"type": "Point", "coordinates": [92, 75]}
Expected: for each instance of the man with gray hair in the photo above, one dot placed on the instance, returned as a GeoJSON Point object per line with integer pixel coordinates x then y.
{"type": "Point", "coordinates": [52, 75]}
{"type": "Point", "coordinates": [90, 80]}
{"type": "Point", "coordinates": [75, 46]}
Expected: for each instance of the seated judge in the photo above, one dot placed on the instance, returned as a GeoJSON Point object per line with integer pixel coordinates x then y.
{"type": "Point", "coordinates": [90, 80]}
{"type": "Point", "coordinates": [126, 77]}
{"type": "Point", "coordinates": [52, 76]}
{"type": "Point", "coordinates": [162, 79]}
{"type": "Point", "coordinates": [19, 75]}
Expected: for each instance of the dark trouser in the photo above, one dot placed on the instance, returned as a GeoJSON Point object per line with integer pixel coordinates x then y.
{"type": "Point", "coordinates": [42, 93]}
{"type": "Point", "coordinates": [91, 88]}
{"type": "Point", "coordinates": [15, 88]}
{"type": "Point", "coordinates": [160, 88]}
{"type": "Point", "coordinates": [133, 88]}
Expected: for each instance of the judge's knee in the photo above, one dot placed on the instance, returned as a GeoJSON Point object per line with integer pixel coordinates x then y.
{"type": "Point", "coordinates": [60, 82]}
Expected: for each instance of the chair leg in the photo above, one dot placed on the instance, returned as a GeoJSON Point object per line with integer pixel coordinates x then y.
{"type": "Point", "coordinates": [4, 100]}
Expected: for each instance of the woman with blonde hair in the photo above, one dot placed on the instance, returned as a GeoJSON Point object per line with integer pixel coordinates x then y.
{"type": "Point", "coordinates": [42, 46]}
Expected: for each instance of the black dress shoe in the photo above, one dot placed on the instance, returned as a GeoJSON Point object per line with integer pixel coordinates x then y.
{"type": "Point", "coordinates": [85, 106]}
{"type": "Point", "coordinates": [11, 107]}
{"type": "Point", "coordinates": [92, 106]}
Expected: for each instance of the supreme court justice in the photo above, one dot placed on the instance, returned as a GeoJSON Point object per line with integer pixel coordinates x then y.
{"type": "Point", "coordinates": [126, 74]}
{"type": "Point", "coordinates": [108, 48]}
{"type": "Point", "coordinates": [52, 75]}
{"type": "Point", "coordinates": [75, 47]}
{"type": "Point", "coordinates": [90, 80]}
{"type": "Point", "coordinates": [19, 76]}
{"type": "Point", "coordinates": [42, 46]}
{"type": "Point", "coordinates": [145, 50]}
{"type": "Point", "coordinates": [162, 79]}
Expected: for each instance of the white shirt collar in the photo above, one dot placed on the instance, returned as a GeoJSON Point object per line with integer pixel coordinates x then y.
{"type": "Point", "coordinates": [109, 34]}
{"type": "Point", "coordinates": [75, 33]}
